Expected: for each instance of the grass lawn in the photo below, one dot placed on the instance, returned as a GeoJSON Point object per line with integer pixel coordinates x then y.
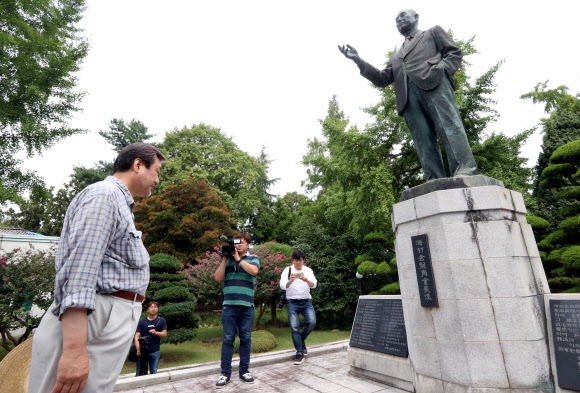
{"type": "Point", "coordinates": [197, 351]}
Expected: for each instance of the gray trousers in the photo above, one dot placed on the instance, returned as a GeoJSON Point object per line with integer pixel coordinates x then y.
{"type": "Point", "coordinates": [111, 328]}
{"type": "Point", "coordinates": [433, 112]}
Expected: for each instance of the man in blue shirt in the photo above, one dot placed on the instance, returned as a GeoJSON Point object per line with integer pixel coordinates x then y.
{"type": "Point", "coordinates": [102, 272]}
{"type": "Point", "coordinates": [150, 330]}
{"type": "Point", "coordinates": [238, 272]}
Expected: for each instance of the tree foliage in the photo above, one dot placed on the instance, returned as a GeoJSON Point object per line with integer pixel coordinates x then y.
{"type": "Point", "coordinates": [168, 286]}
{"type": "Point", "coordinates": [185, 220]}
{"type": "Point", "coordinates": [331, 257]}
{"type": "Point", "coordinates": [26, 287]}
{"type": "Point", "coordinates": [42, 212]}
{"type": "Point", "coordinates": [559, 128]}
{"type": "Point", "coordinates": [119, 135]}
{"type": "Point", "coordinates": [278, 221]}
{"type": "Point", "coordinates": [560, 250]}
{"type": "Point", "coordinates": [41, 51]}
{"type": "Point", "coordinates": [204, 152]}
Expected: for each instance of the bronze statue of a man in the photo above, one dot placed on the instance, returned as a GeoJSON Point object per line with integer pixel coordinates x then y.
{"type": "Point", "coordinates": [422, 71]}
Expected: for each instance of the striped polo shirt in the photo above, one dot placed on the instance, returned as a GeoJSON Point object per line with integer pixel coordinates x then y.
{"type": "Point", "coordinates": [239, 285]}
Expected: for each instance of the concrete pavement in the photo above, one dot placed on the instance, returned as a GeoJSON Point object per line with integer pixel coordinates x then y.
{"type": "Point", "coordinates": [324, 369]}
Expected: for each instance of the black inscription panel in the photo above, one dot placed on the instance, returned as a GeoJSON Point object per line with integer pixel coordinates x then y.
{"type": "Point", "coordinates": [566, 338]}
{"type": "Point", "coordinates": [425, 278]}
{"type": "Point", "coordinates": [379, 326]}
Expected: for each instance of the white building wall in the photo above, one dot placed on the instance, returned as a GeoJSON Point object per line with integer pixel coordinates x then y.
{"type": "Point", "coordinates": [40, 242]}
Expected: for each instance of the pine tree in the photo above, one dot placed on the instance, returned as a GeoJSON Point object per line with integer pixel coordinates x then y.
{"type": "Point", "coordinates": [170, 288]}
{"type": "Point", "coordinates": [561, 248]}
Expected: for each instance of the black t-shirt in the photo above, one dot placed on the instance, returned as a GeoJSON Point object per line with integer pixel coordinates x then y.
{"type": "Point", "coordinates": [145, 325]}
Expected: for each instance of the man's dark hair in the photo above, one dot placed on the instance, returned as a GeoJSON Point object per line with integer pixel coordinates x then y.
{"type": "Point", "coordinates": [146, 152]}
{"type": "Point", "coordinates": [298, 254]}
{"type": "Point", "coordinates": [244, 236]}
{"type": "Point", "coordinates": [152, 302]}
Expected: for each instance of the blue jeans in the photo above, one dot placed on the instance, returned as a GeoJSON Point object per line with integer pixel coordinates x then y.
{"type": "Point", "coordinates": [236, 319]}
{"type": "Point", "coordinates": [295, 308]}
{"type": "Point", "coordinates": [153, 360]}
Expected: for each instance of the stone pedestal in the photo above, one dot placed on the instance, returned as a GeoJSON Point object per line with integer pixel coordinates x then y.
{"type": "Point", "coordinates": [488, 333]}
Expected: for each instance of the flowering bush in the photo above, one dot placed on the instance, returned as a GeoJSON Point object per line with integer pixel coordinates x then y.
{"type": "Point", "coordinates": [272, 262]}
{"type": "Point", "coordinates": [202, 279]}
{"type": "Point", "coordinates": [268, 280]}
{"type": "Point", "coordinates": [26, 279]}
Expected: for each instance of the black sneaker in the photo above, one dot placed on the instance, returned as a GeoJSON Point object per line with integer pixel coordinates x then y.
{"type": "Point", "coordinates": [304, 350]}
{"type": "Point", "coordinates": [299, 358]}
{"type": "Point", "coordinates": [222, 381]}
{"type": "Point", "coordinates": [247, 377]}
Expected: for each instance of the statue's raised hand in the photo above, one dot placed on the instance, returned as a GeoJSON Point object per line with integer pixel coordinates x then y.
{"type": "Point", "coordinates": [349, 52]}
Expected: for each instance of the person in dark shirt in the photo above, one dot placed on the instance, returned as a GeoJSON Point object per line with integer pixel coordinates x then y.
{"type": "Point", "coordinates": [148, 339]}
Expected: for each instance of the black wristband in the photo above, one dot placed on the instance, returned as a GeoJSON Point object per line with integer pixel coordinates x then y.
{"type": "Point", "coordinates": [237, 261]}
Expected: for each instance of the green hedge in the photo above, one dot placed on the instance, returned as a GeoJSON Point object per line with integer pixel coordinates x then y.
{"type": "Point", "coordinates": [262, 341]}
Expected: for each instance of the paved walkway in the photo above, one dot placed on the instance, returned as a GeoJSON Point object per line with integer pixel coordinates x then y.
{"type": "Point", "coordinates": [325, 369]}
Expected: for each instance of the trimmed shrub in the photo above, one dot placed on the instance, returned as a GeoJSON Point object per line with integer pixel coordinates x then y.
{"type": "Point", "coordinates": [362, 258]}
{"type": "Point", "coordinates": [367, 267]}
{"type": "Point", "coordinates": [383, 269]}
{"type": "Point", "coordinates": [173, 294]}
{"type": "Point", "coordinates": [571, 259]}
{"type": "Point", "coordinates": [262, 341]}
{"type": "Point", "coordinates": [390, 289]}
{"type": "Point", "coordinates": [537, 223]}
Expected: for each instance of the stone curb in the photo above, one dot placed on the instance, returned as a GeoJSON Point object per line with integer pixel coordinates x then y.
{"type": "Point", "coordinates": [129, 381]}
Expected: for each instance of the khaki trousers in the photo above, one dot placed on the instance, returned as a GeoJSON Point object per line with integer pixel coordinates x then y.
{"type": "Point", "coordinates": [111, 328]}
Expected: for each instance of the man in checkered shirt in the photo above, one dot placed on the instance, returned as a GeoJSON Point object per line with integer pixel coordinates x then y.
{"type": "Point", "coordinates": [102, 273]}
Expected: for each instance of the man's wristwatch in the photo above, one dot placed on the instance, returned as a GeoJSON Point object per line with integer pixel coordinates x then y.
{"type": "Point", "coordinates": [238, 261]}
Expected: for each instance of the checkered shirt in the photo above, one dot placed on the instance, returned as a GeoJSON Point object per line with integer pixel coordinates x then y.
{"type": "Point", "coordinates": [100, 251]}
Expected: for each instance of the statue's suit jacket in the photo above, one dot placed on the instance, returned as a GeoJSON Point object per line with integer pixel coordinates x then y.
{"type": "Point", "coordinates": [425, 61]}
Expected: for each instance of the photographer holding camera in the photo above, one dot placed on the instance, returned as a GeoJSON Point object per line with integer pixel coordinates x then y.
{"type": "Point", "coordinates": [148, 340]}
{"type": "Point", "coordinates": [238, 269]}
{"type": "Point", "coordinates": [297, 289]}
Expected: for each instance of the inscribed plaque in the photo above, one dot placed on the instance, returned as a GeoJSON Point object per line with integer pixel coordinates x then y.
{"type": "Point", "coordinates": [424, 269]}
{"type": "Point", "coordinates": [379, 326]}
{"type": "Point", "coordinates": [566, 338]}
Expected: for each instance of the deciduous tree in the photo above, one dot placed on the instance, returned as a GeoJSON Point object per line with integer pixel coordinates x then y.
{"type": "Point", "coordinates": [278, 221]}
{"type": "Point", "coordinates": [204, 152]}
{"type": "Point", "coordinates": [41, 51]}
{"type": "Point", "coordinates": [185, 220]}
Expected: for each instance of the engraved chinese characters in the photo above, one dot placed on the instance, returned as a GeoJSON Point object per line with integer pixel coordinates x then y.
{"type": "Point", "coordinates": [379, 326]}
{"type": "Point", "coordinates": [566, 337]}
{"type": "Point", "coordinates": [425, 279]}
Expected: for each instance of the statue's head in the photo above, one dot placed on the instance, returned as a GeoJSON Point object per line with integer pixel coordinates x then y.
{"type": "Point", "coordinates": [407, 21]}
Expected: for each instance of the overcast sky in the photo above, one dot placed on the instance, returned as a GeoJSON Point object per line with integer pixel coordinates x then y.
{"type": "Point", "coordinates": [264, 71]}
